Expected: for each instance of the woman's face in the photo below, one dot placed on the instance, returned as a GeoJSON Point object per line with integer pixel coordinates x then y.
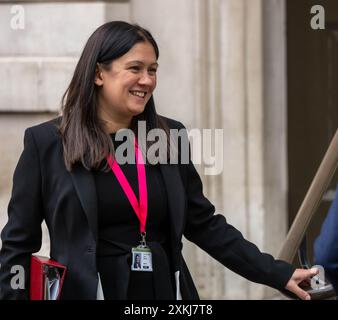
{"type": "Point", "coordinates": [127, 87]}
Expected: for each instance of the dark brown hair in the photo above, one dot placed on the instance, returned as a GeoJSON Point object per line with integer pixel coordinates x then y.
{"type": "Point", "coordinates": [84, 140]}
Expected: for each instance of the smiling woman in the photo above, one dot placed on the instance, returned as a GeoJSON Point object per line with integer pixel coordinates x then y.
{"type": "Point", "coordinates": [118, 228]}
{"type": "Point", "coordinates": [111, 89]}
{"type": "Point", "coordinates": [127, 84]}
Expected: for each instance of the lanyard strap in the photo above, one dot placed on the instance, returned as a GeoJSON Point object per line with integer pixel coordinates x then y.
{"type": "Point", "coordinates": [140, 207]}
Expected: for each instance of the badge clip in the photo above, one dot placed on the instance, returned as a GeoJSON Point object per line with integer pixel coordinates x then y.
{"type": "Point", "coordinates": [143, 240]}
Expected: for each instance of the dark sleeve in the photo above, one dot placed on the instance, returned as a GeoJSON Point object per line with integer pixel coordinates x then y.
{"type": "Point", "coordinates": [213, 234]}
{"type": "Point", "coordinates": [22, 234]}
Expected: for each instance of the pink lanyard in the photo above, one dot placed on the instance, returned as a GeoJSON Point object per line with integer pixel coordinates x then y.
{"type": "Point", "coordinates": [140, 207]}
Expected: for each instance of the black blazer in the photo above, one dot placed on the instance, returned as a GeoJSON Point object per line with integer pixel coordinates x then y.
{"type": "Point", "coordinates": [44, 189]}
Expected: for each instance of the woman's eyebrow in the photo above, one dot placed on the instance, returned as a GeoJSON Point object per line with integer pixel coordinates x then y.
{"type": "Point", "coordinates": [140, 62]}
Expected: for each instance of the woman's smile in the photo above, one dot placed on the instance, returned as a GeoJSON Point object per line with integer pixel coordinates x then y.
{"type": "Point", "coordinates": [138, 94]}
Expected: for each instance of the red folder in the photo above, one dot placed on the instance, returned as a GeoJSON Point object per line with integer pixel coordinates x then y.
{"type": "Point", "coordinates": [46, 278]}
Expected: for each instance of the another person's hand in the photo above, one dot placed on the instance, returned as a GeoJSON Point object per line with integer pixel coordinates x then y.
{"type": "Point", "coordinates": [299, 276]}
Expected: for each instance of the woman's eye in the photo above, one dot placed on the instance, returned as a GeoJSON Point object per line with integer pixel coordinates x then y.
{"type": "Point", "coordinates": [152, 71]}
{"type": "Point", "coordinates": [135, 68]}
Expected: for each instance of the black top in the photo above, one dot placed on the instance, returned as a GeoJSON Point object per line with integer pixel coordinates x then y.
{"type": "Point", "coordinates": [119, 231]}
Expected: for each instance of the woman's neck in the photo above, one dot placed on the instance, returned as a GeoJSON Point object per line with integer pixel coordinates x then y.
{"type": "Point", "coordinates": [113, 124]}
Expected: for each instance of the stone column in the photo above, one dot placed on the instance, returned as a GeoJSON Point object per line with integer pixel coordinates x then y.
{"type": "Point", "coordinates": [275, 126]}
{"type": "Point", "coordinates": [254, 120]}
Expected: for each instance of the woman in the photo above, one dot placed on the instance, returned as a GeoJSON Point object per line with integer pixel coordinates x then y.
{"type": "Point", "coordinates": [101, 213]}
{"type": "Point", "coordinates": [137, 262]}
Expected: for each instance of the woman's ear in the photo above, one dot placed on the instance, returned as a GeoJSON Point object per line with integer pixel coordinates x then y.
{"type": "Point", "coordinates": [98, 76]}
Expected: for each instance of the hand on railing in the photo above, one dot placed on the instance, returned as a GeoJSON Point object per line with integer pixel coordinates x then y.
{"type": "Point", "coordinates": [298, 277]}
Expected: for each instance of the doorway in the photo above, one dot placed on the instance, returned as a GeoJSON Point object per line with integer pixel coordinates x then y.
{"type": "Point", "coordinates": [312, 77]}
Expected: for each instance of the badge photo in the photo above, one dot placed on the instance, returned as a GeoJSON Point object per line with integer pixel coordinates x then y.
{"type": "Point", "coordinates": [141, 259]}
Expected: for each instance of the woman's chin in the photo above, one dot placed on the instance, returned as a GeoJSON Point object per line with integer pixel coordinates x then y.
{"type": "Point", "coordinates": [135, 110]}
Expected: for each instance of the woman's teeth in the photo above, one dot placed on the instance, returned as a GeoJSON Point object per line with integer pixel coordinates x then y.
{"type": "Point", "coordinates": [140, 94]}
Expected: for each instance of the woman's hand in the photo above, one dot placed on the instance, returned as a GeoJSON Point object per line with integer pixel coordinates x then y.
{"type": "Point", "coordinates": [299, 276]}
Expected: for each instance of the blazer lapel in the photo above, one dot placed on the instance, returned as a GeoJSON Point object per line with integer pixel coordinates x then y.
{"type": "Point", "coordinates": [176, 198]}
{"type": "Point", "coordinates": [84, 183]}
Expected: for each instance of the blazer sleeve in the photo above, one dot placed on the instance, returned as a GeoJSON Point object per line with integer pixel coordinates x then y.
{"type": "Point", "coordinates": [225, 243]}
{"type": "Point", "coordinates": [22, 234]}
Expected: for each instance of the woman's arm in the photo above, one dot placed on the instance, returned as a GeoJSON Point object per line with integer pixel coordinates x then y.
{"type": "Point", "coordinates": [22, 234]}
{"type": "Point", "coordinates": [213, 234]}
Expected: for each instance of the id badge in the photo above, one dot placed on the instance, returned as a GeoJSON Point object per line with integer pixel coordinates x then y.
{"type": "Point", "coordinates": [142, 259]}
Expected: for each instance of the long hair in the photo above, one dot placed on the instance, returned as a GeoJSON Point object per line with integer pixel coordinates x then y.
{"type": "Point", "coordinates": [83, 138]}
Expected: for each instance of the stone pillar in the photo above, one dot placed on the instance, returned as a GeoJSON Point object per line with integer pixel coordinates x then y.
{"type": "Point", "coordinates": [275, 126]}
{"type": "Point", "coordinates": [254, 120]}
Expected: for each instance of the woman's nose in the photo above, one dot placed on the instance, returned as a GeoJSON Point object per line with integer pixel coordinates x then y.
{"type": "Point", "coordinates": [146, 79]}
